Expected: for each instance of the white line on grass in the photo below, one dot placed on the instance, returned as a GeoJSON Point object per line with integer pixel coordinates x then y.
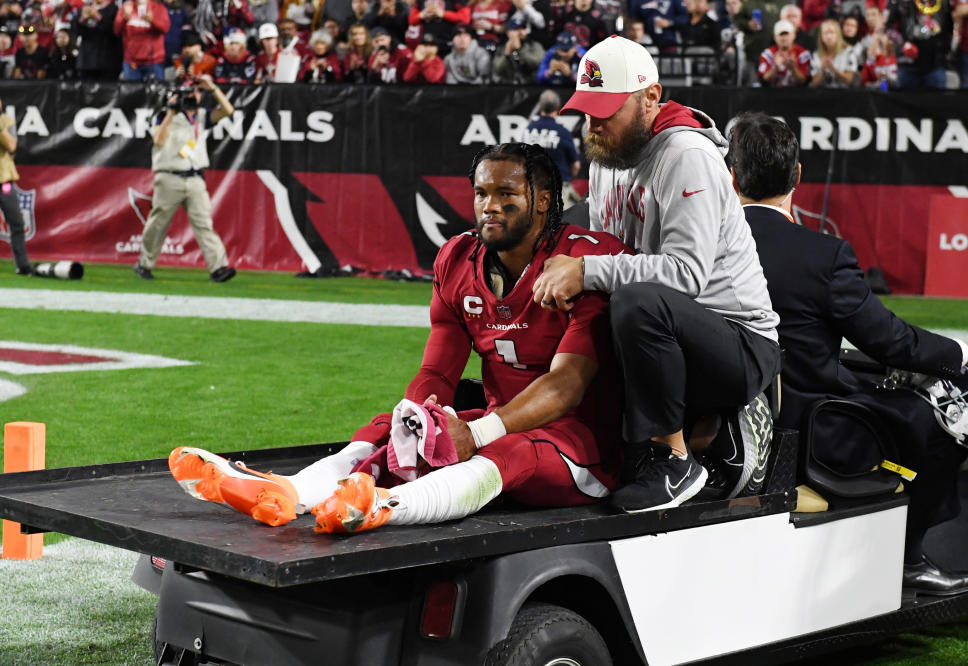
{"type": "Point", "coordinates": [207, 307]}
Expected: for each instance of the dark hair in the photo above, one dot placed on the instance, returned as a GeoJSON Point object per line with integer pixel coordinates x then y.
{"type": "Point", "coordinates": [763, 151]}
{"type": "Point", "coordinates": [190, 39]}
{"type": "Point", "coordinates": [541, 172]}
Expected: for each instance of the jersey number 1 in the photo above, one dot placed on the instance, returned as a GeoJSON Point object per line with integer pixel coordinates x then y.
{"type": "Point", "coordinates": [510, 355]}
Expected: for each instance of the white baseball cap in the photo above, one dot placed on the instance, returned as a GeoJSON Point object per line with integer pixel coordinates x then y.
{"type": "Point", "coordinates": [782, 26]}
{"type": "Point", "coordinates": [608, 74]}
{"type": "Point", "coordinates": [267, 30]}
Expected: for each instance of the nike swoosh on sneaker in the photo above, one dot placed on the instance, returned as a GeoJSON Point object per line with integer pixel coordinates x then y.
{"type": "Point", "coordinates": [670, 487]}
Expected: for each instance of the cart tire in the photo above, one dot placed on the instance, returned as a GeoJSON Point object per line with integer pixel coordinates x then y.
{"type": "Point", "coordinates": [547, 635]}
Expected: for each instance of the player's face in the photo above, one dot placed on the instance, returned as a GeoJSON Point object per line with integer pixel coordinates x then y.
{"type": "Point", "coordinates": [501, 199]}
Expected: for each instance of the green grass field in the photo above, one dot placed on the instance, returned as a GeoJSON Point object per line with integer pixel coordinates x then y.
{"type": "Point", "coordinates": [255, 384]}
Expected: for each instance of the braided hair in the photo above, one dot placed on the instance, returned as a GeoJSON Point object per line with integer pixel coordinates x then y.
{"type": "Point", "coordinates": [541, 172]}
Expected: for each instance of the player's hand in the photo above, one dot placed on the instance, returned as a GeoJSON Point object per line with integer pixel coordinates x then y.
{"type": "Point", "coordinates": [560, 281]}
{"type": "Point", "coordinates": [206, 80]}
{"type": "Point", "coordinates": [460, 434]}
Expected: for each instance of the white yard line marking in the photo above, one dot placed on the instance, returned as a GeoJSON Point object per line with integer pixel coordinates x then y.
{"type": "Point", "coordinates": [208, 307]}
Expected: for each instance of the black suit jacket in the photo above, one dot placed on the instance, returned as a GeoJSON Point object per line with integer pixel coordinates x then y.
{"type": "Point", "coordinates": [820, 293]}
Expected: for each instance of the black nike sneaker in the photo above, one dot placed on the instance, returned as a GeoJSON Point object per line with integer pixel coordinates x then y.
{"type": "Point", "coordinates": [660, 483]}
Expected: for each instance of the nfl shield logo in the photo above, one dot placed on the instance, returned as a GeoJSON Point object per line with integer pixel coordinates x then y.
{"type": "Point", "coordinates": [27, 199]}
{"type": "Point", "coordinates": [504, 311]}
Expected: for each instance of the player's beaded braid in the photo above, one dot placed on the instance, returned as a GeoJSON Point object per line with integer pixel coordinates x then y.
{"type": "Point", "coordinates": [538, 168]}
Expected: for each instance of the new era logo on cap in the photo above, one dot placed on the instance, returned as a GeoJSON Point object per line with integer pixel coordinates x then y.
{"type": "Point", "coordinates": [611, 70]}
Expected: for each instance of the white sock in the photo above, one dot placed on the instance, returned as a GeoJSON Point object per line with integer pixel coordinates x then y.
{"type": "Point", "coordinates": [315, 483]}
{"type": "Point", "coordinates": [447, 493]}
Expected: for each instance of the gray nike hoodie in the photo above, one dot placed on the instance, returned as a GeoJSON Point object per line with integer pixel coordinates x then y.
{"type": "Point", "coordinates": [678, 210]}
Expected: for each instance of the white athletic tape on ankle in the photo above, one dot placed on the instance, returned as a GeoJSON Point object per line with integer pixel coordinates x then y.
{"type": "Point", "coordinates": [487, 429]}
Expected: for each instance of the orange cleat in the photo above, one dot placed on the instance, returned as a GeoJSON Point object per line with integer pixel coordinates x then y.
{"type": "Point", "coordinates": [356, 505]}
{"type": "Point", "coordinates": [269, 498]}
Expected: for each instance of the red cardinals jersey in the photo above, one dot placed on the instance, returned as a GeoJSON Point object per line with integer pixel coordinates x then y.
{"type": "Point", "coordinates": [515, 337]}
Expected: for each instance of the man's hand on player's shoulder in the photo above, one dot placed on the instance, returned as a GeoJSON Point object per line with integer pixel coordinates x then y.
{"type": "Point", "coordinates": [560, 282]}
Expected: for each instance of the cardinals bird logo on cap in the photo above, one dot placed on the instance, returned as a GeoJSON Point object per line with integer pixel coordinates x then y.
{"type": "Point", "coordinates": [592, 75]}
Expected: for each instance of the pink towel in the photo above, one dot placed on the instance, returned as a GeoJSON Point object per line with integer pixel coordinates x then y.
{"type": "Point", "coordinates": [419, 431]}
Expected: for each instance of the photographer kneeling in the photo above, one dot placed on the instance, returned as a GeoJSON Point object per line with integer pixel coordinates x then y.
{"type": "Point", "coordinates": [178, 158]}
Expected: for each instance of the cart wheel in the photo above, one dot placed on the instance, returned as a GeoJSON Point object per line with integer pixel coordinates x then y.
{"type": "Point", "coordinates": [547, 635]}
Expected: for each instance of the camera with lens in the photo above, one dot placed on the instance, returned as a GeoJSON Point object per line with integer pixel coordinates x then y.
{"type": "Point", "coordinates": [185, 100]}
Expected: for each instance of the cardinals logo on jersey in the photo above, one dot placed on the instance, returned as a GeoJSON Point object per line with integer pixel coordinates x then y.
{"type": "Point", "coordinates": [592, 75]}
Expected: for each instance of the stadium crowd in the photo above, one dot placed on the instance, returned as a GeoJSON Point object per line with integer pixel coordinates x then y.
{"type": "Point", "coordinates": [822, 43]}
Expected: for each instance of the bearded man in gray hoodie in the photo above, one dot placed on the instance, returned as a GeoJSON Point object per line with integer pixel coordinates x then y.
{"type": "Point", "coordinates": [692, 323]}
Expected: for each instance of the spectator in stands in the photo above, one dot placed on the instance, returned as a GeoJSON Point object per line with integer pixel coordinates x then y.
{"type": "Point", "coordinates": [267, 59]}
{"type": "Point", "coordinates": [323, 65]}
{"type": "Point", "coordinates": [236, 64]}
{"type": "Point", "coordinates": [815, 11]}
{"type": "Point", "coordinates": [635, 31]}
{"type": "Point", "coordinates": [850, 29]}
{"type": "Point", "coordinates": [784, 64]}
{"type": "Point", "coordinates": [834, 64]}
{"type": "Point", "coordinates": [292, 37]}
{"type": "Point", "coordinates": [213, 18]}
{"type": "Point", "coordinates": [488, 20]}
{"type": "Point", "coordinates": [9, 199]}
{"type": "Point", "coordinates": [41, 17]}
{"type": "Point", "coordinates": [794, 15]}
{"type": "Point", "coordinates": [141, 25]}
{"type": "Point", "coordinates": [585, 22]}
{"type": "Point", "coordinates": [391, 15]}
{"type": "Point", "coordinates": [819, 291]}
{"type": "Point", "coordinates": [10, 13]}
{"type": "Point", "coordinates": [518, 59]}
{"type": "Point", "coordinates": [468, 61]}
{"type": "Point", "coordinates": [301, 13]}
{"type": "Point", "coordinates": [179, 21]}
{"type": "Point", "coordinates": [338, 11]}
{"type": "Point", "coordinates": [390, 58]}
{"type": "Point", "coordinates": [193, 61]}
{"type": "Point", "coordinates": [880, 63]}
{"type": "Point", "coordinates": [356, 61]}
{"type": "Point", "coordinates": [30, 60]}
{"type": "Point", "coordinates": [436, 18]}
{"type": "Point", "coordinates": [960, 16]}
{"type": "Point", "coordinates": [7, 55]}
{"type": "Point", "coordinates": [426, 65]}
{"type": "Point", "coordinates": [263, 11]}
{"type": "Point", "coordinates": [357, 17]}
{"type": "Point", "coordinates": [701, 30]}
{"type": "Point", "coordinates": [927, 29]}
{"type": "Point", "coordinates": [664, 21]}
{"type": "Point", "coordinates": [557, 141]}
{"type": "Point", "coordinates": [535, 15]}
{"type": "Point", "coordinates": [560, 64]}
{"type": "Point", "coordinates": [63, 57]}
{"type": "Point", "coordinates": [610, 11]}
{"type": "Point", "coordinates": [99, 52]}
{"type": "Point", "coordinates": [755, 20]}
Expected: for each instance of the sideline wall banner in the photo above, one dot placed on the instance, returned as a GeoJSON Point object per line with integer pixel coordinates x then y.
{"type": "Point", "coordinates": [305, 176]}
{"type": "Point", "coordinates": [947, 258]}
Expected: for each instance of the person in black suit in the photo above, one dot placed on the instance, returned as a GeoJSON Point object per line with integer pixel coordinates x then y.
{"type": "Point", "coordinates": [819, 291]}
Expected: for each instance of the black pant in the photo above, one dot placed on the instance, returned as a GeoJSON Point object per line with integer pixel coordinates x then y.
{"type": "Point", "coordinates": [676, 356]}
{"type": "Point", "coordinates": [10, 205]}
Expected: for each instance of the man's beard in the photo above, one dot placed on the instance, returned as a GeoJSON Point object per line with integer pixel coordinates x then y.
{"type": "Point", "coordinates": [517, 228]}
{"type": "Point", "coordinates": [621, 154]}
